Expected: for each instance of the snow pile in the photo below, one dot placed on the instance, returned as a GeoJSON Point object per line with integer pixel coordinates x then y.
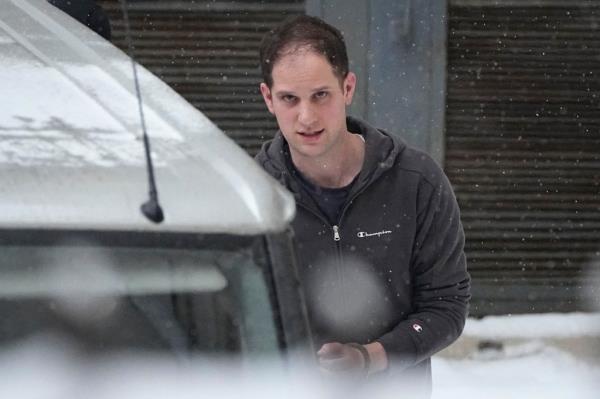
{"type": "Point", "coordinates": [526, 365]}
{"type": "Point", "coordinates": [527, 371]}
{"type": "Point", "coordinates": [547, 325]}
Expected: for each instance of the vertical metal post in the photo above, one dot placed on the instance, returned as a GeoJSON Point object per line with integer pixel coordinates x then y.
{"type": "Point", "coordinates": [407, 71]}
{"type": "Point", "coordinates": [397, 48]}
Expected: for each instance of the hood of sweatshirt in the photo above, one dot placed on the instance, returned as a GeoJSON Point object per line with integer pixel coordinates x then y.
{"type": "Point", "coordinates": [381, 151]}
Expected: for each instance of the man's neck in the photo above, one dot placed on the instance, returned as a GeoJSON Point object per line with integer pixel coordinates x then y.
{"type": "Point", "coordinates": [337, 169]}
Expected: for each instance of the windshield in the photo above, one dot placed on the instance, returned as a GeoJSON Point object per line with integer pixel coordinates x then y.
{"type": "Point", "coordinates": [108, 296]}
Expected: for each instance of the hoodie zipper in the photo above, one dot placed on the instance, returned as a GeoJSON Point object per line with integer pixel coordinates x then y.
{"type": "Point", "coordinates": [337, 237]}
{"type": "Point", "coordinates": [336, 227]}
{"type": "Point", "coordinates": [338, 248]}
{"type": "Point", "coordinates": [336, 233]}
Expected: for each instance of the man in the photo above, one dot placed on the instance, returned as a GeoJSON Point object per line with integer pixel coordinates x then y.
{"type": "Point", "coordinates": [379, 239]}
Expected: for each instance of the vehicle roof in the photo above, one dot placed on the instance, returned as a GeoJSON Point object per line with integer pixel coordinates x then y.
{"type": "Point", "coordinates": [71, 153]}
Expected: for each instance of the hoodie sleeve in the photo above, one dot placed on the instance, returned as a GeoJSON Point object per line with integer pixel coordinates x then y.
{"type": "Point", "coordinates": [441, 284]}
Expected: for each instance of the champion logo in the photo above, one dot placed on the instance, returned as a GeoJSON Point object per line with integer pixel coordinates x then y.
{"type": "Point", "coordinates": [364, 234]}
{"type": "Point", "coordinates": [417, 327]}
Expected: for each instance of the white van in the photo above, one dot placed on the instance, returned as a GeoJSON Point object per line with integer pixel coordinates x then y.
{"type": "Point", "coordinates": [79, 259]}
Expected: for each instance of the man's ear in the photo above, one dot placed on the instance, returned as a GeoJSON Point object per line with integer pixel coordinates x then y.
{"type": "Point", "coordinates": [349, 87]}
{"type": "Point", "coordinates": [267, 96]}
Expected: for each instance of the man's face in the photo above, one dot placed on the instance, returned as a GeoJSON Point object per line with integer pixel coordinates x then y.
{"type": "Point", "coordinates": [309, 102]}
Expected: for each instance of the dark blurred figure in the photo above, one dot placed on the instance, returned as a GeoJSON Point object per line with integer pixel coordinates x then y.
{"type": "Point", "coordinates": [88, 13]}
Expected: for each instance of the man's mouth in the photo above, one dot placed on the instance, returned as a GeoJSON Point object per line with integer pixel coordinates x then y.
{"type": "Point", "coordinates": [311, 134]}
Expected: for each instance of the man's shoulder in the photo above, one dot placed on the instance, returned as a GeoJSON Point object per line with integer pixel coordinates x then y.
{"type": "Point", "coordinates": [271, 149]}
{"type": "Point", "coordinates": [271, 156]}
{"type": "Point", "coordinates": [414, 160]}
{"type": "Point", "coordinates": [391, 152]}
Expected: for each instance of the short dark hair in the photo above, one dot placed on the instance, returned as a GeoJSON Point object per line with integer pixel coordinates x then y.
{"type": "Point", "coordinates": [308, 32]}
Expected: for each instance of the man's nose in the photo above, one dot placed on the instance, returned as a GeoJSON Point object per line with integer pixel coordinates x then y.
{"type": "Point", "coordinates": [307, 116]}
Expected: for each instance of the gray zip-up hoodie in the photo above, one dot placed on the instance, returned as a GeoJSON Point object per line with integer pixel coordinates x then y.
{"type": "Point", "coordinates": [392, 268]}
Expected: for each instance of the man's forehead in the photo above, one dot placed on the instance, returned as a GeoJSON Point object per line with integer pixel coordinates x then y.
{"type": "Point", "coordinates": [303, 69]}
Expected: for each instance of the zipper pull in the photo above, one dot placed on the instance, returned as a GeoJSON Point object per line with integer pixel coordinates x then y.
{"type": "Point", "coordinates": [336, 233]}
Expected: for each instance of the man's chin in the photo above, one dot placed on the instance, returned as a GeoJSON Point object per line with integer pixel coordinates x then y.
{"type": "Point", "coordinates": [307, 151]}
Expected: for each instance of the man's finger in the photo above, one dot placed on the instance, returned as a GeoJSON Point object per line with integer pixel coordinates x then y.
{"type": "Point", "coordinates": [331, 350]}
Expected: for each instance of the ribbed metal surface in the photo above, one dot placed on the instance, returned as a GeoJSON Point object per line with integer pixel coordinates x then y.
{"type": "Point", "coordinates": [523, 150]}
{"type": "Point", "coordinates": [208, 52]}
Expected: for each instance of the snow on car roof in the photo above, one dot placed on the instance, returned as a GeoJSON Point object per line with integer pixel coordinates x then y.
{"type": "Point", "coordinates": [71, 154]}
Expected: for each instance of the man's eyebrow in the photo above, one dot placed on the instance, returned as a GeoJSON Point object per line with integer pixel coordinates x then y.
{"type": "Point", "coordinates": [284, 93]}
{"type": "Point", "coordinates": [280, 93]}
{"type": "Point", "coordinates": [322, 88]}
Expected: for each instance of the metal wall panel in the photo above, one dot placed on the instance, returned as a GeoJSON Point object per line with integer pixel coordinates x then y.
{"type": "Point", "coordinates": [523, 150]}
{"type": "Point", "coordinates": [208, 52]}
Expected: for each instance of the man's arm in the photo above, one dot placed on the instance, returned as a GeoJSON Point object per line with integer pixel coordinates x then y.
{"type": "Point", "coordinates": [440, 282]}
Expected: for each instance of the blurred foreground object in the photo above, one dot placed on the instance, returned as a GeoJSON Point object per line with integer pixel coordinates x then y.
{"type": "Point", "coordinates": [79, 261]}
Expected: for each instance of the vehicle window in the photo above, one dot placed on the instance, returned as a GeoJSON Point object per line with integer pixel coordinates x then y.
{"type": "Point", "coordinates": [183, 301]}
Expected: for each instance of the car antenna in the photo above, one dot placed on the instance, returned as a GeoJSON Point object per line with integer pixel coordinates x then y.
{"type": "Point", "coordinates": [151, 208]}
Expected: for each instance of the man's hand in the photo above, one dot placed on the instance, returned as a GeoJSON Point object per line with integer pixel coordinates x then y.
{"type": "Point", "coordinates": [335, 357]}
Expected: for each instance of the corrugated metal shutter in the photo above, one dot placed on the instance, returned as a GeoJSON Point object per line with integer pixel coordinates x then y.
{"type": "Point", "coordinates": [523, 150]}
{"type": "Point", "coordinates": [208, 52]}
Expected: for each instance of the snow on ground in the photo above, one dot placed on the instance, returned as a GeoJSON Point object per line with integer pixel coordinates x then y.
{"type": "Point", "coordinates": [528, 371]}
{"type": "Point", "coordinates": [555, 325]}
{"type": "Point", "coordinates": [528, 366]}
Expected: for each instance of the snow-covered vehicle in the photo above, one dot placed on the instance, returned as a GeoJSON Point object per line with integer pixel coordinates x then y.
{"type": "Point", "coordinates": [79, 259]}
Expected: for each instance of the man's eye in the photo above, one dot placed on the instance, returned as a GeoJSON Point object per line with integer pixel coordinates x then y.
{"type": "Point", "coordinates": [321, 94]}
{"type": "Point", "coordinates": [288, 98]}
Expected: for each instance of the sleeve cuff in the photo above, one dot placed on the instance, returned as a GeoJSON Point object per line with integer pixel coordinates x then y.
{"type": "Point", "coordinates": [400, 348]}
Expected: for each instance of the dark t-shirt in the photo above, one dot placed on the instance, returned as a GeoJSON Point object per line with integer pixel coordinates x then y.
{"type": "Point", "coordinates": [329, 200]}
